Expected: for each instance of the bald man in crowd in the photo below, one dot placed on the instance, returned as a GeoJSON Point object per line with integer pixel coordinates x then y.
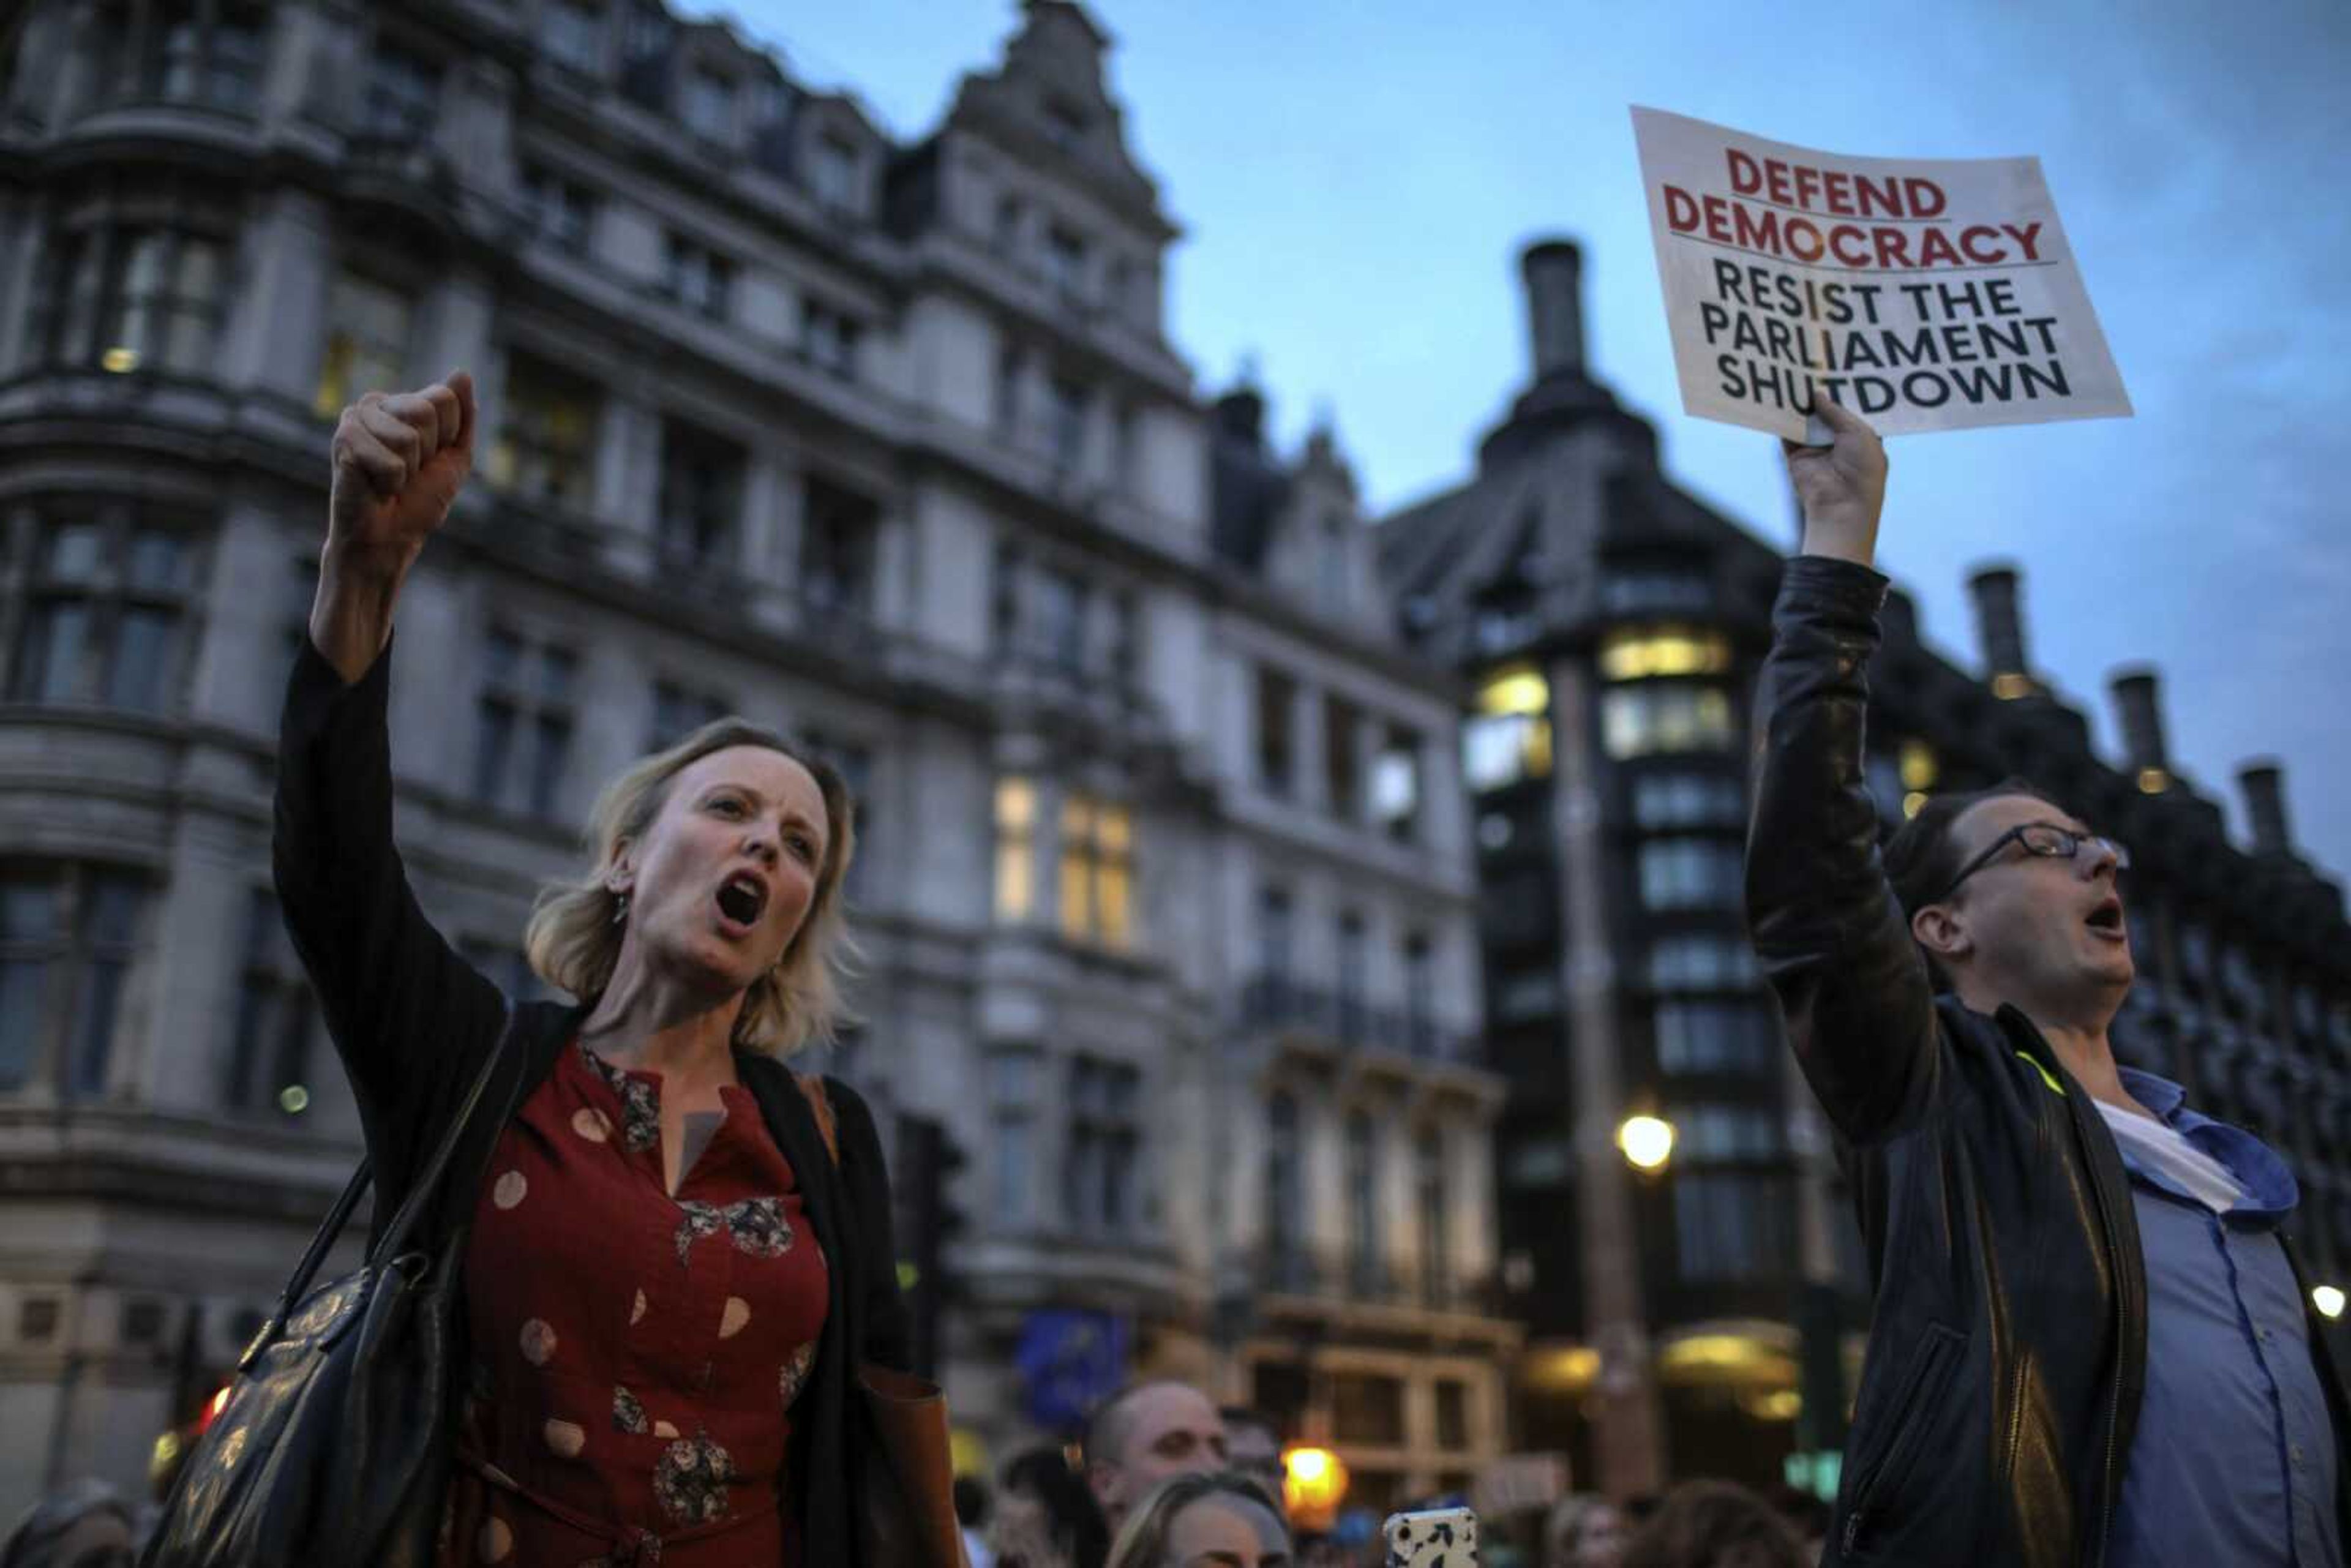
{"type": "Point", "coordinates": [1145, 1433]}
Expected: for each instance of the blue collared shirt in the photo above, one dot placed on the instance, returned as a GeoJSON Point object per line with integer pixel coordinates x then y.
{"type": "Point", "coordinates": [2235, 1459]}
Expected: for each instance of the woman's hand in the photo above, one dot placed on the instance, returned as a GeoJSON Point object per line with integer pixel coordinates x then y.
{"type": "Point", "coordinates": [400, 459]}
{"type": "Point", "coordinates": [1841, 486]}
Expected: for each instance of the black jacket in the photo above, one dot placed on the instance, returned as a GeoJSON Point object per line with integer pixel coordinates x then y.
{"type": "Point", "coordinates": [413, 1023]}
{"type": "Point", "coordinates": [2008, 1350]}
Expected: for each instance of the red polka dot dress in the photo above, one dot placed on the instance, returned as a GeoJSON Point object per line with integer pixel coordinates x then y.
{"type": "Point", "coordinates": [635, 1354]}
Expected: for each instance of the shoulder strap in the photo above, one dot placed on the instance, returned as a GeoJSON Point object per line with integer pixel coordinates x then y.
{"type": "Point", "coordinates": [389, 1242]}
{"type": "Point", "coordinates": [821, 1106]}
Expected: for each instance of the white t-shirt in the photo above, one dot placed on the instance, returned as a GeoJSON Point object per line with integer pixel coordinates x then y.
{"type": "Point", "coordinates": [2157, 1146]}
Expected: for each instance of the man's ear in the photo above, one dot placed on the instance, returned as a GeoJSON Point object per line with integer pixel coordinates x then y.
{"type": "Point", "coordinates": [1942, 931]}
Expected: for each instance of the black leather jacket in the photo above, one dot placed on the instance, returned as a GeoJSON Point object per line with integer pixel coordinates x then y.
{"type": "Point", "coordinates": [2008, 1349]}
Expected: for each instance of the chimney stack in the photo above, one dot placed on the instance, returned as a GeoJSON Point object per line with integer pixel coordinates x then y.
{"type": "Point", "coordinates": [1240, 413]}
{"type": "Point", "coordinates": [2001, 629]}
{"type": "Point", "coordinates": [2141, 714]}
{"type": "Point", "coordinates": [2265, 787]}
{"type": "Point", "coordinates": [1553, 269]}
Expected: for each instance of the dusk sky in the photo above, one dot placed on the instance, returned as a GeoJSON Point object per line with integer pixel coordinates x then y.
{"type": "Point", "coordinates": [1354, 184]}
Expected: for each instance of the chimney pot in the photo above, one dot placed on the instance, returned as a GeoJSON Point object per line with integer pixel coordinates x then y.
{"type": "Point", "coordinates": [2000, 627]}
{"type": "Point", "coordinates": [2139, 709]}
{"type": "Point", "coordinates": [1240, 413]}
{"type": "Point", "coordinates": [2265, 787]}
{"type": "Point", "coordinates": [1554, 270]}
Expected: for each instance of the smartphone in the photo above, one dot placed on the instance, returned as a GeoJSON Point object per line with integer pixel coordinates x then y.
{"type": "Point", "coordinates": [1434, 1538]}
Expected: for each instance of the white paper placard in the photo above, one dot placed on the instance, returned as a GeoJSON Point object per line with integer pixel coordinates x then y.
{"type": "Point", "coordinates": [1926, 294]}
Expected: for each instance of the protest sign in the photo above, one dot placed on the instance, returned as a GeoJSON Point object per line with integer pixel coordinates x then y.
{"type": "Point", "coordinates": [1924, 294]}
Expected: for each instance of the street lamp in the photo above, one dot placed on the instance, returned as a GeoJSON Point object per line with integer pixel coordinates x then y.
{"type": "Point", "coordinates": [2328, 1300]}
{"type": "Point", "coordinates": [1313, 1484]}
{"type": "Point", "coordinates": [1646, 1141]}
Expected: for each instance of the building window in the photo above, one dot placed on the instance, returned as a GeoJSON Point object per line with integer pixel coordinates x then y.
{"type": "Point", "coordinates": [1276, 704]}
{"type": "Point", "coordinates": [833, 172]}
{"type": "Point", "coordinates": [523, 723]}
{"type": "Point", "coordinates": [1521, 996]}
{"type": "Point", "coordinates": [1125, 640]}
{"type": "Point", "coordinates": [1730, 1227]}
{"type": "Point", "coordinates": [829, 339]}
{"type": "Point", "coordinates": [1507, 736]}
{"type": "Point", "coordinates": [367, 343]}
{"type": "Point", "coordinates": [68, 935]}
{"type": "Point", "coordinates": [1637, 721]}
{"type": "Point", "coordinates": [1364, 1204]}
{"type": "Point", "coordinates": [268, 1054]}
{"type": "Point", "coordinates": [1452, 1416]}
{"type": "Point", "coordinates": [1012, 1104]}
{"type": "Point", "coordinates": [1015, 848]}
{"type": "Point", "coordinates": [400, 96]}
{"type": "Point", "coordinates": [1065, 262]}
{"type": "Point", "coordinates": [107, 600]}
{"type": "Point", "coordinates": [1332, 566]}
{"type": "Point", "coordinates": [1066, 430]}
{"type": "Point", "coordinates": [1691, 874]}
{"type": "Point", "coordinates": [1419, 992]}
{"type": "Point", "coordinates": [1395, 785]}
{"type": "Point", "coordinates": [1367, 1408]}
{"type": "Point", "coordinates": [697, 277]}
{"type": "Point", "coordinates": [1726, 1133]}
{"type": "Point", "coordinates": [573, 32]}
{"type": "Point", "coordinates": [1641, 653]}
{"type": "Point", "coordinates": [1637, 592]}
{"type": "Point", "coordinates": [1285, 1191]}
{"type": "Point", "coordinates": [1059, 609]}
{"type": "Point", "coordinates": [1342, 761]}
{"type": "Point", "coordinates": [1436, 1249]}
{"type": "Point", "coordinates": [1010, 369]}
{"type": "Point", "coordinates": [1101, 1175]}
{"type": "Point", "coordinates": [1097, 871]}
{"type": "Point", "coordinates": [1701, 963]}
{"type": "Point", "coordinates": [182, 51]}
{"type": "Point", "coordinates": [679, 710]}
{"type": "Point", "coordinates": [559, 211]}
{"type": "Point", "coordinates": [1716, 1037]}
{"type": "Point", "coordinates": [707, 104]}
{"type": "Point", "coordinates": [129, 299]}
{"type": "Point", "coordinates": [1687, 801]}
{"type": "Point", "coordinates": [1354, 955]}
{"type": "Point", "coordinates": [854, 763]}
{"type": "Point", "coordinates": [1273, 932]}
{"type": "Point", "coordinates": [1003, 598]}
{"type": "Point", "coordinates": [545, 445]}
{"type": "Point", "coordinates": [837, 540]}
{"type": "Point", "coordinates": [701, 496]}
{"type": "Point", "coordinates": [1011, 216]}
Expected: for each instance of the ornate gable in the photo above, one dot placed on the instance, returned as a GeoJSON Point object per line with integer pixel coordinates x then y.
{"type": "Point", "coordinates": [1047, 103]}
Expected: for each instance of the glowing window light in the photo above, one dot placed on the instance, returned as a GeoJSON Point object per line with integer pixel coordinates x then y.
{"type": "Point", "coordinates": [1645, 654]}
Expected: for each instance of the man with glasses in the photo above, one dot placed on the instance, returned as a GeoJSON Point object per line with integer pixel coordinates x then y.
{"type": "Point", "coordinates": [2090, 1344]}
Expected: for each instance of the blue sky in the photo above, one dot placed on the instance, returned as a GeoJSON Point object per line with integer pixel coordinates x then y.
{"type": "Point", "coordinates": [1355, 181]}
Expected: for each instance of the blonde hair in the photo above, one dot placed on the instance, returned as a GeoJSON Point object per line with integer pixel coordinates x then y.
{"type": "Point", "coordinates": [573, 939]}
{"type": "Point", "coordinates": [1142, 1540]}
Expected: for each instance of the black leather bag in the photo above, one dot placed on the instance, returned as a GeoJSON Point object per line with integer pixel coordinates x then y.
{"type": "Point", "coordinates": [335, 1445]}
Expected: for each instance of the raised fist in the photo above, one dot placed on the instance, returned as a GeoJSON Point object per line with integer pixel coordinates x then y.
{"type": "Point", "coordinates": [400, 459]}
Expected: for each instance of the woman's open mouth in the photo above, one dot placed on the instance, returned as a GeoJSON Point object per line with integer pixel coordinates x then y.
{"type": "Point", "coordinates": [741, 898]}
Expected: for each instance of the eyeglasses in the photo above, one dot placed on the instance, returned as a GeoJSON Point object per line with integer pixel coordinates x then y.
{"type": "Point", "coordinates": [2046, 839]}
